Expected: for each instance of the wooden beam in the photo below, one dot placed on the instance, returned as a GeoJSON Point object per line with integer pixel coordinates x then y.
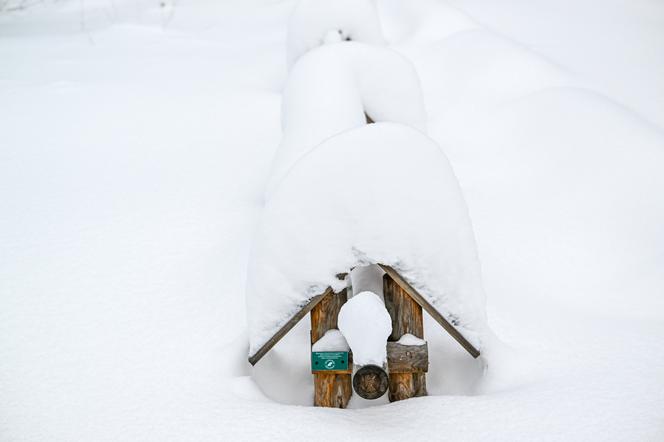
{"type": "Point", "coordinates": [407, 358]}
{"type": "Point", "coordinates": [431, 310]}
{"type": "Point", "coordinates": [253, 359]}
{"type": "Point", "coordinates": [332, 388]}
{"type": "Point", "coordinates": [407, 385]}
{"type": "Point", "coordinates": [405, 312]}
{"type": "Point", "coordinates": [406, 316]}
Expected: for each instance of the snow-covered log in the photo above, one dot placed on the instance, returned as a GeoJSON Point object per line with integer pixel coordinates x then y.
{"type": "Point", "coordinates": [366, 325]}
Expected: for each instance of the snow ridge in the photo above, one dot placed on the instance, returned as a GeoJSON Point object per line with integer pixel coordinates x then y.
{"type": "Point", "coordinates": [344, 193]}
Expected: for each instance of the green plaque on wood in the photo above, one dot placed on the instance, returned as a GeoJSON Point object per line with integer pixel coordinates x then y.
{"type": "Point", "coordinates": [329, 360]}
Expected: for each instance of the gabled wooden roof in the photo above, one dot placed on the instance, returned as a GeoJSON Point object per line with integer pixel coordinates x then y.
{"type": "Point", "coordinates": [402, 283]}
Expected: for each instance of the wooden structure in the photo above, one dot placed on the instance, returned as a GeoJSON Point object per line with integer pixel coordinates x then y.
{"type": "Point", "coordinates": [407, 365]}
{"type": "Point", "coordinates": [332, 388]}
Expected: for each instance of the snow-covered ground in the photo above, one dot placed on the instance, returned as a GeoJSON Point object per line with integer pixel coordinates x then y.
{"type": "Point", "coordinates": [137, 138]}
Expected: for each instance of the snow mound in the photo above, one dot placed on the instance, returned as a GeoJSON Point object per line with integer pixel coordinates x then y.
{"type": "Point", "coordinates": [409, 339]}
{"type": "Point", "coordinates": [421, 21]}
{"type": "Point", "coordinates": [366, 324]}
{"type": "Point", "coordinates": [382, 193]}
{"type": "Point", "coordinates": [330, 89]}
{"type": "Point", "coordinates": [332, 340]}
{"type": "Point", "coordinates": [316, 22]}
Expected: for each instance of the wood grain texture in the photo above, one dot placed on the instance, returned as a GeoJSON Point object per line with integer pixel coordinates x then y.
{"type": "Point", "coordinates": [391, 273]}
{"type": "Point", "coordinates": [253, 359]}
{"type": "Point", "coordinates": [406, 314]}
{"type": "Point", "coordinates": [332, 390]}
{"type": "Point", "coordinates": [406, 364]}
{"type": "Point", "coordinates": [407, 358]}
{"type": "Point", "coordinates": [370, 382]}
{"type": "Point", "coordinates": [324, 314]}
{"type": "Point", "coordinates": [407, 385]}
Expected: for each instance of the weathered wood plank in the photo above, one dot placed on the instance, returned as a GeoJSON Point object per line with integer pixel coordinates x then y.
{"type": "Point", "coordinates": [331, 389]}
{"type": "Point", "coordinates": [431, 310]}
{"type": "Point", "coordinates": [406, 314]}
{"type": "Point", "coordinates": [253, 359]}
{"type": "Point", "coordinates": [324, 314]}
{"type": "Point", "coordinates": [407, 358]}
{"type": "Point", "coordinates": [407, 385]}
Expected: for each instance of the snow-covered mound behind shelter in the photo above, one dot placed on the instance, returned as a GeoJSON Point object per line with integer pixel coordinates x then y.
{"type": "Point", "coordinates": [316, 22]}
{"type": "Point", "coordinates": [383, 193]}
{"type": "Point", "coordinates": [330, 89]}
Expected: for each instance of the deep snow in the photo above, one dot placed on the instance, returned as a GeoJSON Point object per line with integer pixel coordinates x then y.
{"type": "Point", "coordinates": [343, 204]}
{"type": "Point", "coordinates": [136, 144]}
{"type": "Point", "coordinates": [330, 89]}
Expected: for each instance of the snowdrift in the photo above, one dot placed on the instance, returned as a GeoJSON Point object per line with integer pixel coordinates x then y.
{"type": "Point", "coordinates": [330, 89]}
{"type": "Point", "coordinates": [317, 22]}
{"type": "Point", "coordinates": [382, 193]}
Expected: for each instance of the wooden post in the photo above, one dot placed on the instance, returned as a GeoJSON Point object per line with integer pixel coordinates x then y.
{"type": "Point", "coordinates": [330, 389]}
{"type": "Point", "coordinates": [406, 317]}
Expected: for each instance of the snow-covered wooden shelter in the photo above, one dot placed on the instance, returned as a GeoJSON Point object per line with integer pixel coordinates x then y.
{"type": "Point", "coordinates": [343, 195]}
{"type": "Point", "coordinates": [396, 203]}
{"type": "Point", "coordinates": [407, 359]}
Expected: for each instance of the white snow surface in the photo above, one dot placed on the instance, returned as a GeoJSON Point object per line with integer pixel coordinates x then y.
{"type": "Point", "coordinates": [332, 340]}
{"type": "Point", "coordinates": [340, 206]}
{"type": "Point", "coordinates": [366, 325]}
{"type": "Point", "coordinates": [330, 89]}
{"type": "Point", "coordinates": [409, 339]}
{"type": "Point", "coordinates": [317, 22]}
{"type": "Point", "coordinates": [137, 137]}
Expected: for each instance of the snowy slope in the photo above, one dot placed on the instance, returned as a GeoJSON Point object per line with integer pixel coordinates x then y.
{"type": "Point", "coordinates": [136, 144]}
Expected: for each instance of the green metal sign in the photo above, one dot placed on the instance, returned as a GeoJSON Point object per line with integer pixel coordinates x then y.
{"type": "Point", "coordinates": [329, 360]}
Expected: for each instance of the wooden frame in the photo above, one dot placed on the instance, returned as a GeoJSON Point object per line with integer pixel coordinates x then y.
{"type": "Point", "coordinates": [449, 328]}
{"type": "Point", "coordinates": [402, 283]}
{"type": "Point", "coordinates": [253, 359]}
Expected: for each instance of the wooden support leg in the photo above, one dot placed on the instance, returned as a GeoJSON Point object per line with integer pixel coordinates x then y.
{"type": "Point", "coordinates": [330, 389]}
{"type": "Point", "coordinates": [406, 317]}
{"type": "Point", "coordinates": [407, 385]}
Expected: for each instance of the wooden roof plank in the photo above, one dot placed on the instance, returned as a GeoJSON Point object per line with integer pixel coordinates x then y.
{"type": "Point", "coordinates": [430, 310]}
{"type": "Point", "coordinates": [253, 359]}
